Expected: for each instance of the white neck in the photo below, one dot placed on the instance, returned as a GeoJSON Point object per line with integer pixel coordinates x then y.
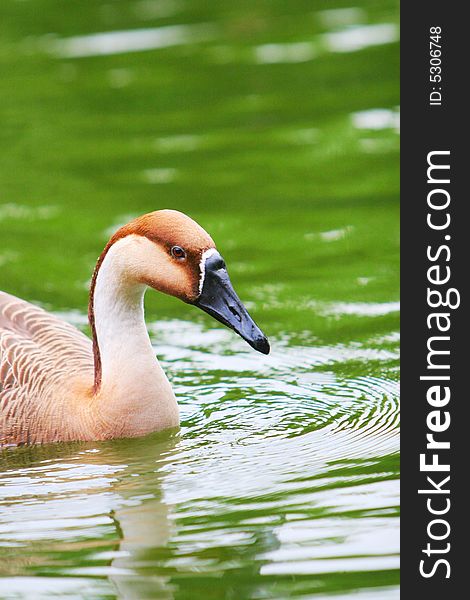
{"type": "Point", "coordinates": [134, 389]}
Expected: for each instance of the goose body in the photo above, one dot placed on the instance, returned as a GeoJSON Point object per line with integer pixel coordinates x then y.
{"type": "Point", "coordinates": [56, 384]}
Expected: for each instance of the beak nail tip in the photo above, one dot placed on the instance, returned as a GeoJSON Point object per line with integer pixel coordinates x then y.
{"type": "Point", "coordinates": [263, 346]}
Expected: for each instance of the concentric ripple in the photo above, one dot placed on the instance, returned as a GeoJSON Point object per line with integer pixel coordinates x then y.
{"type": "Point", "coordinates": [273, 453]}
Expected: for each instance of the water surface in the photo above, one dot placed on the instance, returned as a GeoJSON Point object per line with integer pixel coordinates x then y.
{"type": "Point", "coordinates": [275, 125]}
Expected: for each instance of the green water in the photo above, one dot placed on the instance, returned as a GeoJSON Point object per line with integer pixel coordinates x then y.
{"type": "Point", "coordinates": [274, 124]}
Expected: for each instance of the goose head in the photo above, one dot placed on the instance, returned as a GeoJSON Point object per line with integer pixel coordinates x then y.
{"type": "Point", "coordinates": [171, 253]}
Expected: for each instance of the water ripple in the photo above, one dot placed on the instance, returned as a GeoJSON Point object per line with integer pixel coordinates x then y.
{"type": "Point", "coordinates": [135, 40]}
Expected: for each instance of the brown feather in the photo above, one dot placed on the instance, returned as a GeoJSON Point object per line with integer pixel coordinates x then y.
{"type": "Point", "coordinates": [37, 352]}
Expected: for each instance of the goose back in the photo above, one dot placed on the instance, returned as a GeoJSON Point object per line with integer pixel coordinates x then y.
{"type": "Point", "coordinates": [39, 356]}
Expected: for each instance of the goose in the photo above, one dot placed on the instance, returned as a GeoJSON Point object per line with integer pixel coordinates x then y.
{"type": "Point", "coordinates": [57, 385]}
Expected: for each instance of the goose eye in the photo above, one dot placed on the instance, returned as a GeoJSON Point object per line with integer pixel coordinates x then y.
{"type": "Point", "coordinates": [178, 252]}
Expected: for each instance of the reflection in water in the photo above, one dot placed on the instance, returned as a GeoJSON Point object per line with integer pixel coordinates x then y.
{"type": "Point", "coordinates": [350, 39]}
{"type": "Point", "coordinates": [118, 42]}
{"type": "Point", "coordinates": [142, 519]}
{"type": "Point", "coordinates": [357, 38]}
{"type": "Point", "coordinates": [96, 511]}
{"type": "Point", "coordinates": [285, 53]}
{"type": "Point", "coordinates": [258, 484]}
{"type": "Point", "coordinates": [10, 211]}
{"type": "Point", "coordinates": [377, 118]}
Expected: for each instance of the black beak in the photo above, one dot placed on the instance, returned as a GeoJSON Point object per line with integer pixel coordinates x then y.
{"type": "Point", "coordinates": [218, 298]}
